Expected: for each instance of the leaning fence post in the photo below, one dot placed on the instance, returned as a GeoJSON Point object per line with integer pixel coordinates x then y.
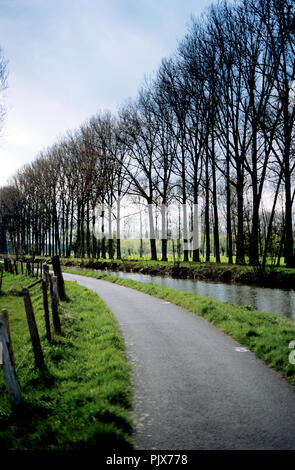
{"type": "Point", "coordinates": [5, 317]}
{"type": "Point", "coordinates": [60, 281]}
{"type": "Point", "coordinates": [38, 354]}
{"type": "Point", "coordinates": [12, 385]}
{"type": "Point", "coordinates": [54, 305]}
{"type": "Point", "coordinates": [46, 309]}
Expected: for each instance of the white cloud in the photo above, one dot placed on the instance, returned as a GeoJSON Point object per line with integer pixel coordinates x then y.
{"type": "Point", "coordinates": [68, 59]}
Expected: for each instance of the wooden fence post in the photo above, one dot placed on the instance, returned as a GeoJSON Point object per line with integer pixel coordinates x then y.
{"type": "Point", "coordinates": [46, 309]}
{"type": "Point", "coordinates": [60, 281]}
{"type": "Point", "coordinates": [45, 272]}
{"type": "Point", "coordinates": [10, 266]}
{"type": "Point", "coordinates": [37, 271]}
{"type": "Point", "coordinates": [54, 305]}
{"type": "Point", "coordinates": [6, 265]}
{"type": "Point", "coordinates": [15, 267]}
{"type": "Point", "coordinates": [28, 266]}
{"type": "Point", "coordinates": [1, 276]}
{"type": "Point", "coordinates": [38, 354]}
{"type": "Point", "coordinates": [12, 385]}
{"type": "Point", "coordinates": [22, 267]}
{"type": "Point", "coordinates": [6, 321]}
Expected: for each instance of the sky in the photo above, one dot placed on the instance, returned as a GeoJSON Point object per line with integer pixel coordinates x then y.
{"type": "Point", "coordinates": [69, 59]}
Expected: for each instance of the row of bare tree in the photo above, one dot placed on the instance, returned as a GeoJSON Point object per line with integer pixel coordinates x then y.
{"type": "Point", "coordinates": [3, 85]}
{"type": "Point", "coordinates": [214, 128]}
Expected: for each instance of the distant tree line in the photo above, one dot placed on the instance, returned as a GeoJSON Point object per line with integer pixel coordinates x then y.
{"type": "Point", "coordinates": [212, 128]}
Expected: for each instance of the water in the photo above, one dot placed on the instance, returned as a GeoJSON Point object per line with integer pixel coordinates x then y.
{"type": "Point", "coordinates": [278, 301]}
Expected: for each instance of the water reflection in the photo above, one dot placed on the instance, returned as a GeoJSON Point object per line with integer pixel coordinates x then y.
{"type": "Point", "coordinates": [264, 299]}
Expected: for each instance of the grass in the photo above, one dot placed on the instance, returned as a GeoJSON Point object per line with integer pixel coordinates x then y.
{"type": "Point", "coordinates": [270, 276]}
{"type": "Point", "coordinates": [82, 400]}
{"type": "Point", "coordinates": [266, 334]}
{"type": "Point", "coordinates": [134, 256]}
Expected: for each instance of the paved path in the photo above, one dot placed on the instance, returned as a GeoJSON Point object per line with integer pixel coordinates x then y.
{"type": "Point", "coordinates": [192, 388]}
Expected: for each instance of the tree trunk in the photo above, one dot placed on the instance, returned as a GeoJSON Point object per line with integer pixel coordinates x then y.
{"type": "Point", "coordinates": [288, 248]}
{"type": "Point", "coordinates": [88, 229]}
{"type": "Point", "coordinates": [240, 256]}
{"type": "Point", "coordinates": [229, 237]}
{"type": "Point", "coordinates": [140, 234]}
{"type": "Point", "coordinates": [196, 243]}
{"type": "Point", "coordinates": [164, 232]}
{"type": "Point", "coordinates": [119, 255]}
{"type": "Point", "coordinates": [103, 241]}
{"type": "Point", "coordinates": [185, 231]}
{"type": "Point", "coordinates": [207, 209]}
{"type": "Point", "coordinates": [94, 245]}
{"type": "Point", "coordinates": [152, 234]}
{"type": "Point", "coordinates": [110, 243]}
{"type": "Point", "coordinates": [215, 207]}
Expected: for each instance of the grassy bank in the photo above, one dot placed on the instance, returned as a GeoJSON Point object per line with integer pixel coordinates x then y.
{"type": "Point", "coordinates": [269, 277]}
{"type": "Point", "coordinates": [266, 334]}
{"type": "Point", "coordinates": [82, 399]}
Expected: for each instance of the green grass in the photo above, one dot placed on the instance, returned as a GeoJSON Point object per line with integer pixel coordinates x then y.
{"type": "Point", "coordinates": [269, 276]}
{"type": "Point", "coordinates": [280, 277]}
{"type": "Point", "coordinates": [82, 399]}
{"type": "Point", "coordinates": [266, 334]}
{"type": "Point", "coordinates": [146, 259]}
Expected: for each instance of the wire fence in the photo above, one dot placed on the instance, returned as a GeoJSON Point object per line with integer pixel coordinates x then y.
{"type": "Point", "coordinates": [23, 337]}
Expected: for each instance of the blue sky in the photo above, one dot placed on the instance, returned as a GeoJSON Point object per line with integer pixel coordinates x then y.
{"type": "Point", "coordinates": [67, 59]}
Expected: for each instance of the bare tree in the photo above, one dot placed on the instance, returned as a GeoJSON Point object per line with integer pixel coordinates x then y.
{"type": "Point", "coordinates": [3, 85]}
{"type": "Point", "coordinates": [140, 137]}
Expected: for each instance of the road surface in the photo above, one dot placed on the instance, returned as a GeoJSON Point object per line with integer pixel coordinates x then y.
{"type": "Point", "coordinates": [194, 388]}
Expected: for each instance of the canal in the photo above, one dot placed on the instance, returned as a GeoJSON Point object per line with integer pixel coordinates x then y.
{"type": "Point", "coordinates": [271, 300]}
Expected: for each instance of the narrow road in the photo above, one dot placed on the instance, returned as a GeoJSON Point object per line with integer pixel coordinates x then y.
{"type": "Point", "coordinates": [192, 388]}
